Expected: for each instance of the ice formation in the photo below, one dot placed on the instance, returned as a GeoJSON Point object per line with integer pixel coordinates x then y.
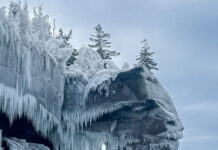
{"type": "Point", "coordinates": [90, 105]}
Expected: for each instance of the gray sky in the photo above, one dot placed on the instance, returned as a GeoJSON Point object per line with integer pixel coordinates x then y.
{"type": "Point", "coordinates": [182, 33]}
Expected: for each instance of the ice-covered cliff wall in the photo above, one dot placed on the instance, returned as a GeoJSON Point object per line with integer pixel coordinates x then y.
{"type": "Point", "coordinates": [31, 80]}
{"type": "Point", "coordinates": [30, 71]}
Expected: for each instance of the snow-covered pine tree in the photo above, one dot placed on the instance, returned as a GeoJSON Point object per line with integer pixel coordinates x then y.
{"type": "Point", "coordinates": [40, 25]}
{"type": "Point", "coordinates": [20, 18]}
{"type": "Point", "coordinates": [101, 43]}
{"type": "Point", "coordinates": [65, 44]}
{"type": "Point", "coordinates": [145, 57]}
{"type": "Point", "coordinates": [72, 58]}
{"type": "Point", "coordinates": [65, 38]}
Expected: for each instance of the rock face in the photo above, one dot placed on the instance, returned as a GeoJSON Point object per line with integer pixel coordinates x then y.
{"type": "Point", "coordinates": [146, 118]}
{"type": "Point", "coordinates": [134, 112]}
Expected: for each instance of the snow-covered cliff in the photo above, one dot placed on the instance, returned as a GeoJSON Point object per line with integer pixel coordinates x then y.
{"type": "Point", "coordinates": [86, 106]}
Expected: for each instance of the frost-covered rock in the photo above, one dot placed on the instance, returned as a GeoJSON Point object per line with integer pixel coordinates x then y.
{"type": "Point", "coordinates": [90, 59]}
{"type": "Point", "coordinates": [127, 110]}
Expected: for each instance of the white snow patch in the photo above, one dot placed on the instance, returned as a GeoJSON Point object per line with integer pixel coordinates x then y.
{"type": "Point", "coordinates": [103, 146]}
{"type": "Point", "coordinates": [86, 57]}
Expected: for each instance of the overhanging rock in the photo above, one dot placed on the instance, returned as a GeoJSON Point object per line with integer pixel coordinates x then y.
{"type": "Point", "coordinates": [133, 112]}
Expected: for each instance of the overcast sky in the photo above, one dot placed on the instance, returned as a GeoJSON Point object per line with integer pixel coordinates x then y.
{"type": "Point", "coordinates": [182, 33]}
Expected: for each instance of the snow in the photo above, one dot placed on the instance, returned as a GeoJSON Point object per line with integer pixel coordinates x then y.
{"type": "Point", "coordinates": [40, 25]}
{"type": "Point", "coordinates": [89, 67]}
{"type": "Point", "coordinates": [86, 57]}
{"type": "Point", "coordinates": [103, 146]}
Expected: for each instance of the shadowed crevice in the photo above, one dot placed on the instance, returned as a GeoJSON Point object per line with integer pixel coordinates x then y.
{"type": "Point", "coordinates": [22, 129]}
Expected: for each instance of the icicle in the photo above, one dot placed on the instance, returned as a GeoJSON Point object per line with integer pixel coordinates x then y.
{"type": "Point", "coordinates": [13, 104]}
{"type": "Point", "coordinates": [26, 63]}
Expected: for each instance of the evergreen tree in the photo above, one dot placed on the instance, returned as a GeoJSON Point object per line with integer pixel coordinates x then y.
{"type": "Point", "coordinates": [72, 58]}
{"type": "Point", "coordinates": [21, 20]}
{"type": "Point", "coordinates": [101, 43]}
{"type": "Point", "coordinates": [145, 57]}
{"type": "Point", "coordinates": [40, 25]}
{"type": "Point", "coordinates": [65, 38]}
{"type": "Point", "coordinates": [14, 9]}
